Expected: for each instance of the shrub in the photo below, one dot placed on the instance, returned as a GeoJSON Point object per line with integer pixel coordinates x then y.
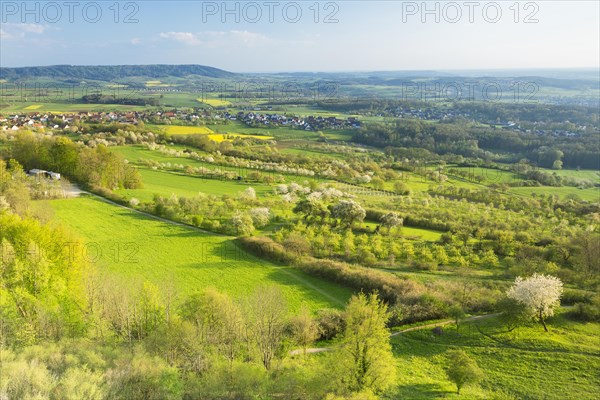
{"type": "Point", "coordinates": [25, 380]}
{"type": "Point", "coordinates": [144, 378]}
{"type": "Point", "coordinates": [572, 297]}
{"type": "Point", "coordinates": [587, 311]}
{"type": "Point", "coordinates": [264, 247]}
{"type": "Point", "coordinates": [80, 383]}
{"type": "Point", "coordinates": [425, 308]}
{"type": "Point", "coordinates": [401, 188]}
{"type": "Point", "coordinates": [330, 322]}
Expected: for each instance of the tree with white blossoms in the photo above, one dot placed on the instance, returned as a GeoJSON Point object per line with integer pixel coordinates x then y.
{"type": "Point", "coordinates": [540, 294]}
{"type": "Point", "coordinates": [281, 189]}
{"type": "Point", "coordinates": [348, 212]}
{"type": "Point", "coordinates": [391, 220]}
{"type": "Point", "coordinates": [260, 216]}
{"type": "Point", "coordinates": [248, 194]}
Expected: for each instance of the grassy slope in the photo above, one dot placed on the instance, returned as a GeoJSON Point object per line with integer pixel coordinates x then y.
{"type": "Point", "coordinates": [167, 183]}
{"type": "Point", "coordinates": [138, 247]}
{"type": "Point", "coordinates": [590, 194]}
{"type": "Point", "coordinates": [525, 364]}
{"type": "Point", "coordinates": [490, 175]}
{"type": "Point", "coordinates": [135, 154]}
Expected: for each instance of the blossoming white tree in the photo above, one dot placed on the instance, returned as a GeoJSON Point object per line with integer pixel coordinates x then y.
{"type": "Point", "coordinates": [540, 294]}
{"type": "Point", "coordinates": [260, 216]}
{"type": "Point", "coordinates": [348, 212]}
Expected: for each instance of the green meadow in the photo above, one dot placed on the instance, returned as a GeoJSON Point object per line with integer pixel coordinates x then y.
{"type": "Point", "coordinates": [589, 194]}
{"type": "Point", "coordinates": [166, 183]}
{"type": "Point", "coordinates": [136, 247]}
{"type": "Point", "coordinates": [526, 363]}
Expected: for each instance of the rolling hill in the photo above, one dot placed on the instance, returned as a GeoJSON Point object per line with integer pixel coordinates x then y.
{"type": "Point", "coordinates": [111, 72]}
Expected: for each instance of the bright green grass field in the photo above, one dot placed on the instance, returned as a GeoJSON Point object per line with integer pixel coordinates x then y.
{"type": "Point", "coordinates": [581, 174]}
{"type": "Point", "coordinates": [135, 153]}
{"type": "Point", "coordinates": [279, 133]}
{"type": "Point", "coordinates": [527, 363]}
{"type": "Point", "coordinates": [167, 183]}
{"type": "Point", "coordinates": [138, 247]}
{"type": "Point", "coordinates": [490, 175]}
{"type": "Point", "coordinates": [590, 194]}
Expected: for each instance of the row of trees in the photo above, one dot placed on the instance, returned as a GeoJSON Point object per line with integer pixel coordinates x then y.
{"type": "Point", "coordinates": [95, 167]}
{"type": "Point", "coordinates": [475, 141]}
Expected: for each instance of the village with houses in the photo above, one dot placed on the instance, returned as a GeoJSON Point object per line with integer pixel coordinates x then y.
{"type": "Point", "coordinates": [48, 120]}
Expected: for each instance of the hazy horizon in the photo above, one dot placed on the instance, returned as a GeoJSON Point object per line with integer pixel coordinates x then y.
{"type": "Point", "coordinates": [457, 72]}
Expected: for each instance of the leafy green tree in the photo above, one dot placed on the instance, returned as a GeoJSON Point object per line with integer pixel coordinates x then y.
{"type": "Point", "coordinates": [557, 164]}
{"type": "Point", "coordinates": [401, 188]}
{"type": "Point", "coordinates": [462, 370]}
{"type": "Point", "coordinates": [365, 353]}
{"type": "Point", "coordinates": [457, 313]}
{"type": "Point", "coordinates": [312, 209]}
{"type": "Point", "coordinates": [512, 313]}
{"type": "Point", "coordinates": [150, 310]}
{"type": "Point", "coordinates": [587, 254]}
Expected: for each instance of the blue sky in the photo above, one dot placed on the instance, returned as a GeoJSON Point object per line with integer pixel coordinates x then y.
{"type": "Point", "coordinates": [368, 35]}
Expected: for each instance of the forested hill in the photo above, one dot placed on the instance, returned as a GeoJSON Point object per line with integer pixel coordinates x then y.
{"type": "Point", "coordinates": [111, 72]}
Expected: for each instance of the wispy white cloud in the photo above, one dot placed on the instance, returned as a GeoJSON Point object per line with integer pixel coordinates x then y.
{"type": "Point", "coordinates": [220, 38]}
{"type": "Point", "coordinates": [5, 35]}
{"type": "Point", "coordinates": [136, 41]}
{"type": "Point", "coordinates": [11, 30]}
{"type": "Point", "coordinates": [183, 37]}
{"type": "Point", "coordinates": [31, 28]}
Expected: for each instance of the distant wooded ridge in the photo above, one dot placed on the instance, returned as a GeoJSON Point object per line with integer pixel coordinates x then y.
{"type": "Point", "coordinates": [111, 72]}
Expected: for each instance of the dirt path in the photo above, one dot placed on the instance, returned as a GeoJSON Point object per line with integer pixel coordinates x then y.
{"type": "Point", "coordinates": [442, 323]}
{"type": "Point", "coordinates": [414, 328]}
{"type": "Point", "coordinates": [70, 189]}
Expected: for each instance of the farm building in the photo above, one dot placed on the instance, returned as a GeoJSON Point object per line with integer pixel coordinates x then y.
{"type": "Point", "coordinates": [44, 174]}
